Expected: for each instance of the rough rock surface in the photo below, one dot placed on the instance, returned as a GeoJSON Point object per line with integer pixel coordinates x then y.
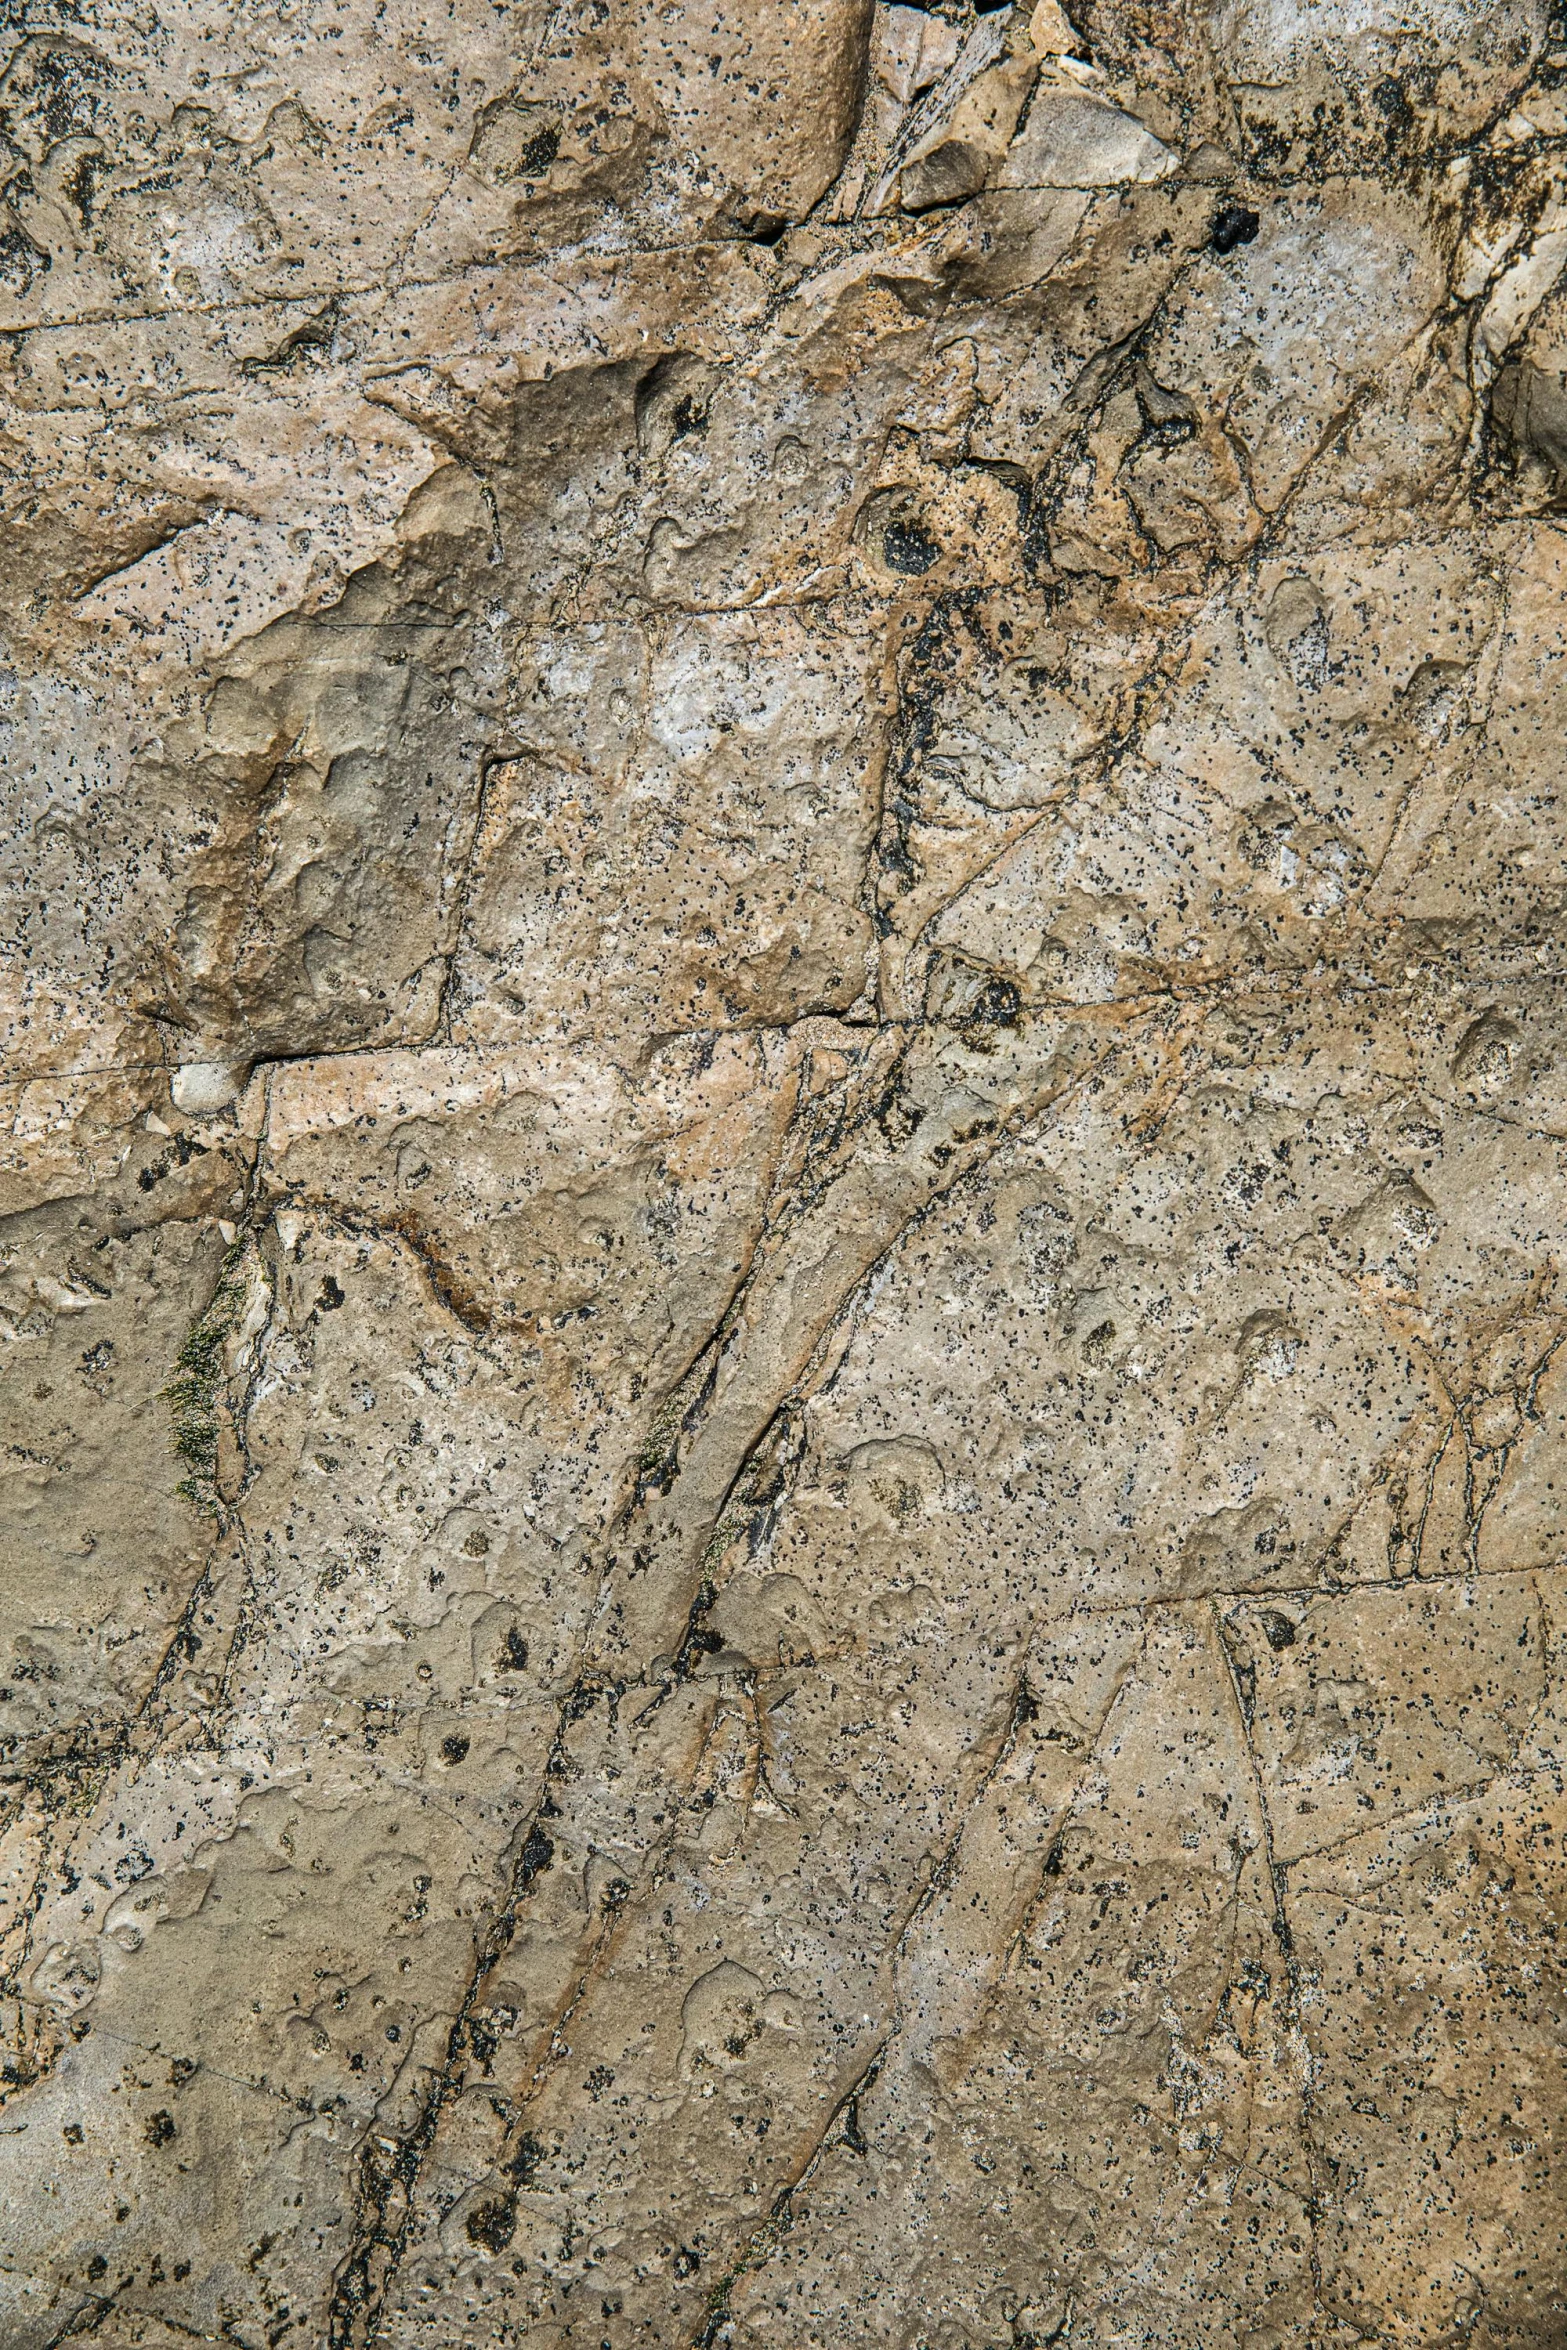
{"type": "Point", "coordinates": [784, 1174]}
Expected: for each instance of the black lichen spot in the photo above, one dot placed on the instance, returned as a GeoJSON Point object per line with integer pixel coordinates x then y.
{"type": "Point", "coordinates": [1279, 1630]}
{"type": "Point", "coordinates": [192, 1394]}
{"type": "Point", "coordinates": [537, 1853]}
{"type": "Point", "coordinates": [454, 1749]}
{"type": "Point", "coordinates": [20, 259]}
{"type": "Point", "coordinates": [997, 1005]}
{"type": "Point", "coordinates": [897, 1118]}
{"type": "Point", "coordinates": [72, 2133]}
{"type": "Point", "coordinates": [78, 189]}
{"type": "Point", "coordinates": [160, 2128]}
{"type": "Point", "coordinates": [492, 2224]}
{"type": "Point", "coordinates": [331, 1296]}
{"type": "Point", "coordinates": [1235, 224]}
{"type": "Point", "coordinates": [686, 2262]}
{"type": "Point", "coordinates": [581, 1702]}
{"type": "Point", "coordinates": [63, 95]}
{"type": "Point", "coordinates": [1097, 1345]}
{"type": "Point", "coordinates": [908, 547]}
{"type": "Point", "coordinates": [1391, 101]}
{"type": "Point", "coordinates": [97, 2267]}
{"type": "Point", "coordinates": [514, 1651]}
{"type": "Point", "coordinates": [539, 153]}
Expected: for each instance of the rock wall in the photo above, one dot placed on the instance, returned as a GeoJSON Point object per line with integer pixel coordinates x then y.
{"type": "Point", "coordinates": [784, 1174]}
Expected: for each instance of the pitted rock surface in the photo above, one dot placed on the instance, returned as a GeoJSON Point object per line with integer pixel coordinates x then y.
{"type": "Point", "coordinates": [783, 1200]}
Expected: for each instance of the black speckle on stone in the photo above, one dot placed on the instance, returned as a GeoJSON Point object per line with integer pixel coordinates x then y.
{"type": "Point", "coordinates": [454, 1749]}
{"type": "Point", "coordinates": [1234, 224]}
{"type": "Point", "coordinates": [1278, 1628]}
{"type": "Point", "coordinates": [332, 1296]}
{"type": "Point", "coordinates": [686, 2262]}
{"type": "Point", "coordinates": [97, 2267]}
{"type": "Point", "coordinates": [160, 2128]}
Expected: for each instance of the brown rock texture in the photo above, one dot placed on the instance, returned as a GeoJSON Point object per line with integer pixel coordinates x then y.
{"type": "Point", "coordinates": [783, 1199]}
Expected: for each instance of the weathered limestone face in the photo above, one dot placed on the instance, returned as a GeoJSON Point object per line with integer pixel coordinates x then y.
{"type": "Point", "coordinates": [783, 1210]}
